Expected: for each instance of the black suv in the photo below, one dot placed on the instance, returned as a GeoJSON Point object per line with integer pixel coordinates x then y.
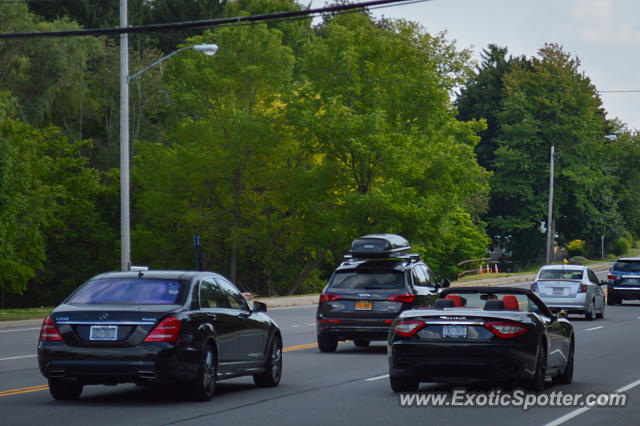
{"type": "Point", "coordinates": [370, 288]}
{"type": "Point", "coordinates": [624, 280]}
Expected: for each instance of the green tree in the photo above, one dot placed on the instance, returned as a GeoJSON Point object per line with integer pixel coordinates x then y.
{"type": "Point", "coordinates": [548, 103]}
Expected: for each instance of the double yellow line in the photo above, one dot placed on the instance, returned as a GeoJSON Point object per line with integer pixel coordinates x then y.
{"type": "Point", "coordinates": [19, 391]}
{"type": "Point", "coordinates": [23, 390]}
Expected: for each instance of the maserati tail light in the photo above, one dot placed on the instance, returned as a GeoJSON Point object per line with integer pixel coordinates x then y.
{"type": "Point", "coordinates": [506, 330]}
{"type": "Point", "coordinates": [408, 328]}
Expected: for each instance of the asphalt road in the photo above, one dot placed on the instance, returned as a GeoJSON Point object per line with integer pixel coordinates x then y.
{"type": "Point", "coordinates": [349, 386]}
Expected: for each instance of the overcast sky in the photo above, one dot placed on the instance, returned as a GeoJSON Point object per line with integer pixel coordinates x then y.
{"type": "Point", "coordinates": [603, 34]}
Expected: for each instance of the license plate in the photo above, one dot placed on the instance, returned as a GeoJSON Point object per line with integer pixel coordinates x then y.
{"type": "Point", "coordinates": [455, 331]}
{"type": "Point", "coordinates": [631, 281]}
{"type": "Point", "coordinates": [558, 290]}
{"type": "Point", "coordinates": [364, 305]}
{"type": "Point", "coordinates": [103, 332]}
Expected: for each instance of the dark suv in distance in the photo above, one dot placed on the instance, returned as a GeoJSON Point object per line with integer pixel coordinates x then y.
{"type": "Point", "coordinates": [377, 281]}
{"type": "Point", "coordinates": [624, 280]}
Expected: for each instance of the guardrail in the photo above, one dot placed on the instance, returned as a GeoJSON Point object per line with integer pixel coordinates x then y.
{"type": "Point", "coordinates": [473, 266]}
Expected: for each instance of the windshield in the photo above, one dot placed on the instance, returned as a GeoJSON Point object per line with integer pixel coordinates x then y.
{"type": "Point", "coordinates": [128, 291]}
{"type": "Point", "coordinates": [511, 301]}
{"type": "Point", "coordinates": [560, 274]}
{"type": "Point", "coordinates": [368, 280]}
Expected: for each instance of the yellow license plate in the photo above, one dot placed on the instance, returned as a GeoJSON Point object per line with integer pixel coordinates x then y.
{"type": "Point", "coordinates": [364, 305]}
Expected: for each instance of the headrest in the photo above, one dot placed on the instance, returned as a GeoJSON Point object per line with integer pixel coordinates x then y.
{"type": "Point", "coordinates": [444, 303]}
{"type": "Point", "coordinates": [494, 305]}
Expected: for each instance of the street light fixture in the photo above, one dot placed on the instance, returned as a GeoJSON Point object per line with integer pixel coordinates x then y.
{"type": "Point", "coordinates": [125, 224]}
{"type": "Point", "coordinates": [550, 230]}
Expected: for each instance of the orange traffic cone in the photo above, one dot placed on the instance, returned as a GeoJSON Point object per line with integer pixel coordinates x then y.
{"type": "Point", "coordinates": [488, 269]}
{"type": "Point", "coordinates": [480, 270]}
{"type": "Point", "coordinates": [495, 268]}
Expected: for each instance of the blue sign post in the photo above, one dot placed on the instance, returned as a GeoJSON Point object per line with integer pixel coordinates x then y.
{"type": "Point", "coordinates": [196, 244]}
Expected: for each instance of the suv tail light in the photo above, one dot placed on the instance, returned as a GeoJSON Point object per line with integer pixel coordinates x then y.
{"type": "Point", "coordinates": [404, 298]}
{"type": "Point", "coordinates": [408, 328]}
{"type": "Point", "coordinates": [328, 297]}
{"type": "Point", "coordinates": [49, 332]}
{"type": "Point", "coordinates": [583, 288]}
{"type": "Point", "coordinates": [505, 330]}
{"type": "Point", "coordinates": [166, 331]}
{"type": "Point", "coordinates": [534, 287]}
{"type": "Point", "coordinates": [610, 277]}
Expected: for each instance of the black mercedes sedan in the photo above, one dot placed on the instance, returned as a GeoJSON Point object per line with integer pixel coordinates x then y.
{"type": "Point", "coordinates": [489, 334]}
{"type": "Point", "coordinates": [150, 327]}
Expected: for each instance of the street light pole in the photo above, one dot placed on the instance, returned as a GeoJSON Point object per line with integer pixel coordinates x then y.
{"type": "Point", "coordinates": [125, 78]}
{"type": "Point", "coordinates": [550, 230]}
{"type": "Point", "coordinates": [125, 238]}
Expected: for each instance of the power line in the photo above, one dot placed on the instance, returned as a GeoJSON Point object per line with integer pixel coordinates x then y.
{"type": "Point", "coordinates": [294, 14]}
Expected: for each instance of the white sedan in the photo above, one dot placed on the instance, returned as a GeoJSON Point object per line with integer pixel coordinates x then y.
{"type": "Point", "coordinates": [573, 288]}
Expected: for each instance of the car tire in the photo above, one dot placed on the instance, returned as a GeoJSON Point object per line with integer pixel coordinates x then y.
{"type": "Point", "coordinates": [361, 343]}
{"type": "Point", "coordinates": [205, 384]}
{"type": "Point", "coordinates": [273, 366]}
{"type": "Point", "coordinates": [327, 342]}
{"type": "Point", "coordinates": [601, 314]}
{"type": "Point", "coordinates": [567, 375]}
{"type": "Point", "coordinates": [590, 315]}
{"type": "Point", "coordinates": [403, 383]}
{"type": "Point", "coordinates": [61, 390]}
{"type": "Point", "coordinates": [537, 383]}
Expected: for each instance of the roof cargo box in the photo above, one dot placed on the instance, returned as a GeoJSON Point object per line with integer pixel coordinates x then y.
{"type": "Point", "coordinates": [379, 246]}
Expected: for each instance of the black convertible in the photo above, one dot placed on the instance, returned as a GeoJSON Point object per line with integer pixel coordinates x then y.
{"type": "Point", "coordinates": [492, 334]}
{"type": "Point", "coordinates": [149, 327]}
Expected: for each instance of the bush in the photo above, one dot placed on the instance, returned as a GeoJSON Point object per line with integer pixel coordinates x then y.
{"type": "Point", "coordinates": [576, 248]}
{"type": "Point", "coordinates": [627, 236]}
{"type": "Point", "coordinates": [611, 257]}
{"type": "Point", "coordinates": [578, 260]}
{"type": "Point", "coordinates": [621, 246]}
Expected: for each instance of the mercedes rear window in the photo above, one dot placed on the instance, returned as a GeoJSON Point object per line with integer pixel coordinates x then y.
{"type": "Point", "coordinates": [368, 280]}
{"type": "Point", "coordinates": [627, 266]}
{"type": "Point", "coordinates": [129, 291]}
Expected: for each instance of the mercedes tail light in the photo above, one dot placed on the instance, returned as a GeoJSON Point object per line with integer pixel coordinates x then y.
{"type": "Point", "coordinates": [404, 298]}
{"type": "Point", "coordinates": [408, 328]}
{"type": "Point", "coordinates": [166, 331]}
{"type": "Point", "coordinates": [328, 297]}
{"type": "Point", "coordinates": [506, 330]}
{"type": "Point", "coordinates": [49, 332]}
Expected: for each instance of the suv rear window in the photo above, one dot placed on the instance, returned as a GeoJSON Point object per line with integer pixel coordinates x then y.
{"type": "Point", "coordinates": [368, 280]}
{"type": "Point", "coordinates": [128, 291]}
{"type": "Point", "coordinates": [627, 266]}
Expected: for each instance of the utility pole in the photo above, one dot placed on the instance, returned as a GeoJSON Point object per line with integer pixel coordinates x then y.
{"type": "Point", "coordinates": [550, 230]}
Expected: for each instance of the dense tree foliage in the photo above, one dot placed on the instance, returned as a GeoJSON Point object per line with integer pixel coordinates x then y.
{"type": "Point", "coordinates": [289, 142]}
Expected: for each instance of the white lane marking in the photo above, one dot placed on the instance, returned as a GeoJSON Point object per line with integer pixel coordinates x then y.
{"type": "Point", "coordinates": [373, 379]}
{"type": "Point", "coordinates": [294, 326]}
{"type": "Point", "coordinates": [312, 324]}
{"type": "Point", "coordinates": [18, 357]}
{"type": "Point", "coordinates": [579, 411]}
{"type": "Point", "coordinates": [19, 329]}
{"type": "Point", "coordinates": [595, 328]}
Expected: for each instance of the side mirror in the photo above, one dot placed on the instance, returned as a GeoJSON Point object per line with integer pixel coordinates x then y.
{"type": "Point", "coordinates": [444, 282]}
{"type": "Point", "coordinates": [259, 307]}
{"type": "Point", "coordinates": [562, 314]}
{"type": "Point", "coordinates": [604, 282]}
